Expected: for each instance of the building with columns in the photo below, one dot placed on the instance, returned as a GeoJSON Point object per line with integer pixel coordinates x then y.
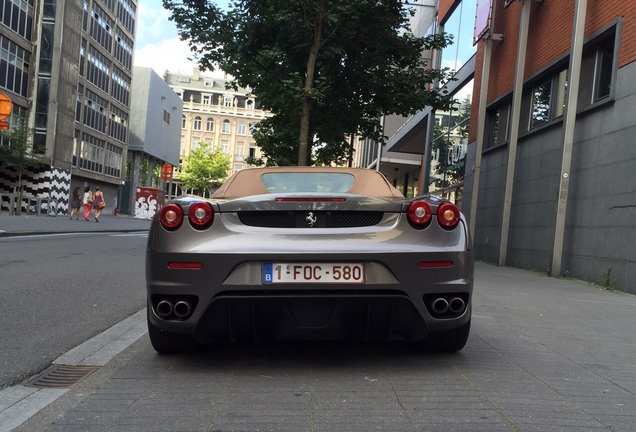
{"type": "Point", "coordinates": [216, 115]}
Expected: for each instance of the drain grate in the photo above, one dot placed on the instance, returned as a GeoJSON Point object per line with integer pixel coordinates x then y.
{"type": "Point", "coordinates": [61, 376]}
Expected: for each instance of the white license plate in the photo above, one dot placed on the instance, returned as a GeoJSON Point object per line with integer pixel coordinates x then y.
{"type": "Point", "coordinates": [312, 273]}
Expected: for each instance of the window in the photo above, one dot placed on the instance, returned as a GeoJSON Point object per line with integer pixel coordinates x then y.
{"type": "Point", "coordinates": [227, 100]}
{"type": "Point", "coordinates": [239, 150]}
{"type": "Point", "coordinates": [308, 182]}
{"type": "Point", "coordinates": [241, 128]}
{"type": "Point", "coordinates": [225, 128]}
{"type": "Point", "coordinates": [197, 123]}
{"type": "Point", "coordinates": [604, 70]}
{"type": "Point", "coordinates": [498, 119]}
{"type": "Point", "coordinates": [205, 99]}
{"type": "Point", "coordinates": [113, 160]}
{"type": "Point", "coordinates": [249, 104]}
{"type": "Point", "coordinates": [209, 124]}
{"type": "Point", "coordinates": [540, 111]}
{"type": "Point", "coordinates": [238, 167]}
{"type": "Point", "coordinates": [183, 122]}
{"type": "Point", "coordinates": [225, 146]}
{"type": "Point", "coordinates": [91, 153]}
{"type": "Point", "coordinates": [166, 117]}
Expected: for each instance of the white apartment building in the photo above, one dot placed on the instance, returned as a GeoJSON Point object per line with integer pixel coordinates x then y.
{"type": "Point", "coordinates": [216, 115]}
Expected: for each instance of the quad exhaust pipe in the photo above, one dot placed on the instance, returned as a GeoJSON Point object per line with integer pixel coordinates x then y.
{"type": "Point", "coordinates": [182, 309]}
{"type": "Point", "coordinates": [441, 306]}
{"type": "Point", "coordinates": [165, 309]}
{"type": "Point", "coordinates": [456, 305]}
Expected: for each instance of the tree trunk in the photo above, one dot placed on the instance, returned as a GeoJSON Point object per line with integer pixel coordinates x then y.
{"type": "Point", "coordinates": [305, 140]}
{"type": "Point", "coordinates": [18, 199]}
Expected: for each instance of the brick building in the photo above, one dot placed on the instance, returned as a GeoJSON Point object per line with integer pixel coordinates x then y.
{"type": "Point", "coordinates": [556, 190]}
{"type": "Point", "coordinates": [544, 188]}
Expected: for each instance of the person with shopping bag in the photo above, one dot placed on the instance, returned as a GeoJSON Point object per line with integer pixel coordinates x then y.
{"type": "Point", "coordinates": [99, 203]}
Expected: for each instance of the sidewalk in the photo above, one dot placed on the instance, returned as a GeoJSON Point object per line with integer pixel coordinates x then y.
{"type": "Point", "coordinates": [43, 224]}
{"type": "Point", "coordinates": [544, 355]}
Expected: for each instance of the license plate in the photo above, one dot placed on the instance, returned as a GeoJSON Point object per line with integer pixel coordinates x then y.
{"type": "Point", "coordinates": [313, 273]}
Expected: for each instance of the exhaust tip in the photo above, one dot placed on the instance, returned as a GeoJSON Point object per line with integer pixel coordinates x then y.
{"type": "Point", "coordinates": [182, 309]}
{"type": "Point", "coordinates": [457, 305]}
{"type": "Point", "coordinates": [164, 309]}
{"type": "Point", "coordinates": [440, 306]}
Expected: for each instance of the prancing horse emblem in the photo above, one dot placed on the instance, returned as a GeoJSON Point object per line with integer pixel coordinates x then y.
{"type": "Point", "coordinates": [311, 219]}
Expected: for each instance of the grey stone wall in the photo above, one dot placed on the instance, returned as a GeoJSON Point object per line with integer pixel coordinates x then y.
{"type": "Point", "coordinates": [600, 236]}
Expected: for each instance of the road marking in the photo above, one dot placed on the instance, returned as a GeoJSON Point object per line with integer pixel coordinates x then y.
{"type": "Point", "coordinates": [140, 234]}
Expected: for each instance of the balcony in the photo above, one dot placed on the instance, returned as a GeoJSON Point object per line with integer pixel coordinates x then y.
{"type": "Point", "coordinates": [225, 110]}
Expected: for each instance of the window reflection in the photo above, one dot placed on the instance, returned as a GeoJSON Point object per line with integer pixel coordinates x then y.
{"type": "Point", "coordinates": [540, 104]}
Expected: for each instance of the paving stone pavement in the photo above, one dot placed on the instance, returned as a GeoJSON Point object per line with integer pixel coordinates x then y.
{"type": "Point", "coordinates": [544, 354]}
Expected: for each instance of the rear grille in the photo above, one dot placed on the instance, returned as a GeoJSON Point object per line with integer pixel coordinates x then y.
{"type": "Point", "coordinates": [303, 219]}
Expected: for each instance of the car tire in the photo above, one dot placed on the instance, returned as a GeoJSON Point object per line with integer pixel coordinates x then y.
{"type": "Point", "coordinates": [172, 343]}
{"type": "Point", "coordinates": [448, 340]}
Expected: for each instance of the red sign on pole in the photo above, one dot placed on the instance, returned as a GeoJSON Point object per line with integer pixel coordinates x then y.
{"type": "Point", "coordinates": [166, 172]}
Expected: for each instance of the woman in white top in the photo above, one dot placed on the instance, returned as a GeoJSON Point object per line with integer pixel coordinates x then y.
{"type": "Point", "coordinates": [87, 202]}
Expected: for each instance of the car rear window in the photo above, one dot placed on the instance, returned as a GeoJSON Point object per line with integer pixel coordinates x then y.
{"type": "Point", "coordinates": [307, 182]}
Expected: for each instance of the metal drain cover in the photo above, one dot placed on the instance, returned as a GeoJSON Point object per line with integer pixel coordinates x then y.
{"type": "Point", "coordinates": [61, 376]}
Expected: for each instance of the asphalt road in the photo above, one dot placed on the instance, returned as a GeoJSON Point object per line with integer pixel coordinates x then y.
{"type": "Point", "coordinates": [56, 291]}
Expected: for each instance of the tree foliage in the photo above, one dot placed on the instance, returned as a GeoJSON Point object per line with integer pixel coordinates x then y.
{"type": "Point", "coordinates": [16, 152]}
{"type": "Point", "coordinates": [325, 69]}
{"type": "Point", "coordinates": [204, 168]}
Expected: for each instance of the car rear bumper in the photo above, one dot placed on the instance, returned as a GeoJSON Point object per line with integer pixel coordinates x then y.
{"type": "Point", "coordinates": [229, 301]}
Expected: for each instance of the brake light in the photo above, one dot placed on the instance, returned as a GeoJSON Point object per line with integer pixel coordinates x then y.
{"type": "Point", "coordinates": [448, 215]}
{"type": "Point", "coordinates": [171, 217]}
{"type": "Point", "coordinates": [185, 265]}
{"type": "Point", "coordinates": [311, 199]}
{"type": "Point", "coordinates": [419, 214]}
{"type": "Point", "coordinates": [201, 215]}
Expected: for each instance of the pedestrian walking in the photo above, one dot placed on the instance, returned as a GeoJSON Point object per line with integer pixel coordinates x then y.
{"type": "Point", "coordinates": [76, 203]}
{"type": "Point", "coordinates": [87, 202]}
{"type": "Point", "coordinates": [99, 203]}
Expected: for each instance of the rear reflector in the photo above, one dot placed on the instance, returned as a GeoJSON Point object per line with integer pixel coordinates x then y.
{"type": "Point", "coordinates": [185, 265]}
{"type": "Point", "coordinates": [435, 264]}
{"type": "Point", "coordinates": [311, 199]}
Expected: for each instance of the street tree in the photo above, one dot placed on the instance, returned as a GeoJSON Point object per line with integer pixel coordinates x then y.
{"type": "Point", "coordinates": [325, 69]}
{"type": "Point", "coordinates": [16, 154]}
{"type": "Point", "coordinates": [204, 169]}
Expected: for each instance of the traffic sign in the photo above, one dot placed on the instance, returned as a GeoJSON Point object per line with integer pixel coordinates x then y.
{"type": "Point", "coordinates": [166, 172]}
{"type": "Point", "coordinates": [6, 106]}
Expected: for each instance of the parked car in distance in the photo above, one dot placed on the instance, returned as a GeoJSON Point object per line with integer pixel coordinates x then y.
{"type": "Point", "coordinates": [308, 253]}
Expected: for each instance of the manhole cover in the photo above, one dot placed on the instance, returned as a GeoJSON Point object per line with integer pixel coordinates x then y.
{"type": "Point", "coordinates": [61, 376]}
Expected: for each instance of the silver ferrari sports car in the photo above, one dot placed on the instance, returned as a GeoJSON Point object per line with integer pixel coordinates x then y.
{"type": "Point", "coordinates": [311, 253]}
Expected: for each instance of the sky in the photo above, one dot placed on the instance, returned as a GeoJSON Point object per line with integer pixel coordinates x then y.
{"type": "Point", "coordinates": [157, 42]}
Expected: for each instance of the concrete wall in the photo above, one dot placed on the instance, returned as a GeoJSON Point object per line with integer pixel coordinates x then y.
{"type": "Point", "coordinates": [600, 235]}
{"type": "Point", "coordinates": [149, 133]}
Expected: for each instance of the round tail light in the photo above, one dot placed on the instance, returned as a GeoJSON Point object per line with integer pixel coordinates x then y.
{"type": "Point", "coordinates": [171, 217]}
{"type": "Point", "coordinates": [201, 215]}
{"type": "Point", "coordinates": [419, 214]}
{"type": "Point", "coordinates": [448, 215]}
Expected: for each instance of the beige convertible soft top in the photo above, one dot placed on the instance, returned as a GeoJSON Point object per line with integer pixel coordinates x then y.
{"type": "Point", "coordinates": [248, 182]}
